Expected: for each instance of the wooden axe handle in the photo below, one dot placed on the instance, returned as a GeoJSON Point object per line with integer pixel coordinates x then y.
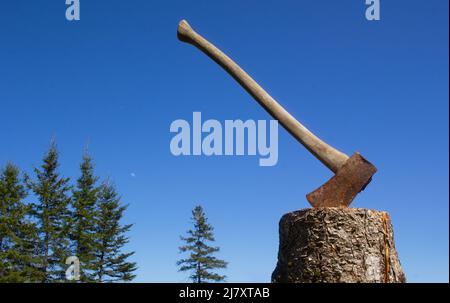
{"type": "Point", "coordinates": [329, 156]}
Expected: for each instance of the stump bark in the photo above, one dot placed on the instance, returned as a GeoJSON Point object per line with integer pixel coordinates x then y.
{"type": "Point", "coordinates": [337, 245]}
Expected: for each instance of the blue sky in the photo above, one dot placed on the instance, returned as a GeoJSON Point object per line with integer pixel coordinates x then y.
{"type": "Point", "coordinates": [116, 79]}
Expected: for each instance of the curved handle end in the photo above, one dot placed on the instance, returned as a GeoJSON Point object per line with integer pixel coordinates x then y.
{"type": "Point", "coordinates": [184, 30]}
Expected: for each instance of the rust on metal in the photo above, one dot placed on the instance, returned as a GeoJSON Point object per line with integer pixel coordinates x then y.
{"type": "Point", "coordinates": [343, 187]}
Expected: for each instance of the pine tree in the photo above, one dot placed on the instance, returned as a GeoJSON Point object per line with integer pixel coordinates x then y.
{"type": "Point", "coordinates": [111, 263]}
{"type": "Point", "coordinates": [201, 262]}
{"type": "Point", "coordinates": [52, 216]}
{"type": "Point", "coordinates": [83, 223]}
{"type": "Point", "coordinates": [17, 233]}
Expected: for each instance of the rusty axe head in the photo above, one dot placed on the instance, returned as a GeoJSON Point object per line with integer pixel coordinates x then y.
{"type": "Point", "coordinates": [351, 178]}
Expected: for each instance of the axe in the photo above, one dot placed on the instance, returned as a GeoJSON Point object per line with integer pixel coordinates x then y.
{"type": "Point", "coordinates": [351, 174]}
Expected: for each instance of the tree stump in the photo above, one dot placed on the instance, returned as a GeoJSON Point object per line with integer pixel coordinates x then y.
{"type": "Point", "coordinates": [337, 245]}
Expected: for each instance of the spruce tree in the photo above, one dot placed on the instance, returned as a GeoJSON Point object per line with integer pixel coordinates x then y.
{"type": "Point", "coordinates": [83, 223]}
{"type": "Point", "coordinates": [17, 233]}
{"type": "Point", "coordinates": [111, 264]}
{"type": "Point", "coordinates": [51, 215]}
{"type": "Point", "coordinates": [201, 262]}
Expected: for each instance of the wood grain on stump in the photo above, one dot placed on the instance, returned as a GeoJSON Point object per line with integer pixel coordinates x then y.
{"type": "Point", "coordinates": [337, 245]}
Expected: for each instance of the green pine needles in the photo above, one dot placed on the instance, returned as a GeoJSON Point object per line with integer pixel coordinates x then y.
{"type": "Point", "coordinates": [58, 221]}
{"type": "Point", "coordinates": [201, 262]}
{"type": "Point", "coordinates": [18, 261]}
{"type": "Point", "coordinates": [46, 218]}
{"type": "Point", "coordinates": [110, 262]}
{"type": "Point", "coordinates": [50, 214]}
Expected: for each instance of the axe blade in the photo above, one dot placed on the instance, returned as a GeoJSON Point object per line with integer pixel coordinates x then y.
{"type": "Point", "coordinates": [351, 178]}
